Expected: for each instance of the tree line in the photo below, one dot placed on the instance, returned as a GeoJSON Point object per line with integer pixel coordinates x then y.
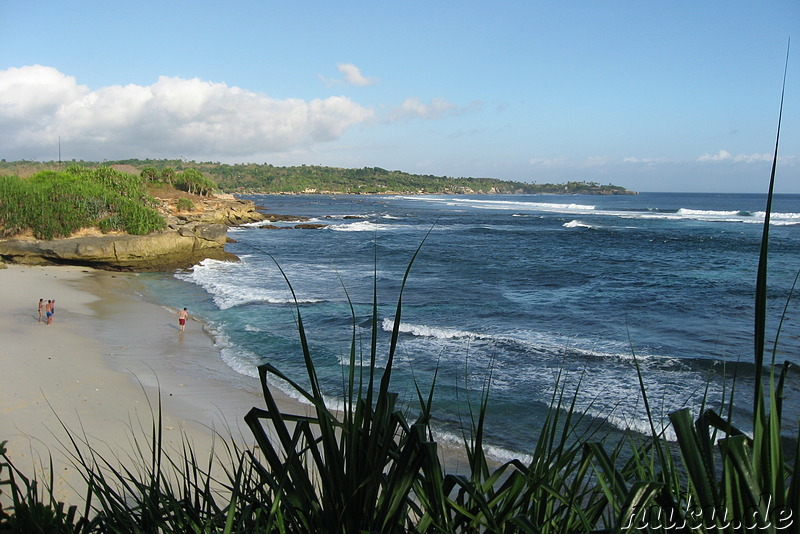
{"type": "Point", "coordinates": [202, 177]}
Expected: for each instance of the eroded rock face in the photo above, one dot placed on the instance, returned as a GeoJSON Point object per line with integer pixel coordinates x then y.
{"type": "Point", "coordinates": [163, 251]}
{"type": "Point", "coordinates": [221, 211]}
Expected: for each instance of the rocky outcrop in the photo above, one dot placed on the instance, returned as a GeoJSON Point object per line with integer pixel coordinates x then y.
{"type": "Point", "coordinates": [162, 251]}
{"type": "Point", "coordinates": [192, 235]}
{"type": "Point", "coordinates": [190, 238]}
{"type": "Point", "coordinates": [222, 209]}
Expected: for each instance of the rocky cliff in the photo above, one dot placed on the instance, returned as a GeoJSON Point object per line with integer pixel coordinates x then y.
{"type": "Point", "coordinates": [191, 237]}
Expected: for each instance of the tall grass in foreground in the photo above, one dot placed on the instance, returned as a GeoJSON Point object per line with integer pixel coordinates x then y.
{"type": "Point", "coordinates": [372, 468]}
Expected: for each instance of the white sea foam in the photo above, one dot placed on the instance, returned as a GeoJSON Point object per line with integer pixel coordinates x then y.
{"type": "Point", "coordinates": [607, 395]}
{"type": "Point", "coordinates": [245, 362]}
{"type": "Point", "coordinates": [786, 216]}
{"type": "Point", "coordinates": [499, 454]}
{"type": "Point", "coordinates": [609, 389]}
{"type": "Point", "coordinates": [611, 393]}
{"type": "Point", "coordinates": [227, 295]}
{"type": "Point", "coordinates": [240, 360]}
{"type": "Point", "coordinates": [538, 342]}
{"type": "Point", "coordinates": [369, 226]}
{"type": "Point", "coordinates": [575, 223]}
{"type": "Point", "coordinates": [256, 224]}
{"type": "Point", "coordinates": [706, 213]}
{"type": "Point", "coordinates": [756, 217]}
{"type": "Point", "coordinates": [531, 206]}
{"type": "Point", "coordinates": [428, 331]}
{"type": "Point", "coordinates": [779, 219]}
{"type": "Point", "coordinates": [662, 426]}
{"type": "Point", "coordinates": [287, 224]}
{"type": "Point", "coordinates": [361, 226]}
{"type": "Point", "coordinates": [228, 286]}
{"type": "Point", "coordinates": [773, 222]}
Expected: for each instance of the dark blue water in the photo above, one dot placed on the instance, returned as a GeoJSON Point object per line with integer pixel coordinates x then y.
{"type": "Point", "coordinates": [519, 288]}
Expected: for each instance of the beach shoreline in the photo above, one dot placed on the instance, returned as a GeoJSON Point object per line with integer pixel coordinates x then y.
{"type": "Point", "coordinates": [108, 369]}
{"type": "Point", "coordinates": [105, 369]}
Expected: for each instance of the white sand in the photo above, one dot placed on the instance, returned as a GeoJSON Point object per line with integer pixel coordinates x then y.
{"type": "Point", "coordinates": [97, 368]}
{"type": "Point", "coordinates": [101, 368]}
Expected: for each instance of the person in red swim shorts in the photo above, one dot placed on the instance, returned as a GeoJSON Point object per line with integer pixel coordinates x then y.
{"type": "Point", "coordinates": [182, 316]}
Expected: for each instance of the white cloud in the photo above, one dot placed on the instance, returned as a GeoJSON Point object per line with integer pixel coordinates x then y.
{"type": "Point", "coordinates": [724, 155]}
{"type": "Point", "coordinates": [171, 117]}
{"type": "Point", "coordinates": [549, 162]}
{"type": "Point", "coordinates": [437, 108]}
{"type": "Point", "coordinates": [35, 88]}
{"type": "Point", "coordinates": [645, 161]}
{"type": "Point", "coordinates": [353, 76]}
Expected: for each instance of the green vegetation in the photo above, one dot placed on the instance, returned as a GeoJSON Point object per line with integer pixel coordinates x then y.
{"type": "Point", "coordinates": [317, 179]}
{"type": "Point", "coordinates": [265, 178]}
{"type": "Point", "coordinates": [185, 204]}
{"type": "Point", "coordinates": [194, 182]}
{"type": "Point", "coordinates": [190, 180]}
{"type": "Point", "coordinates": [57, 204]}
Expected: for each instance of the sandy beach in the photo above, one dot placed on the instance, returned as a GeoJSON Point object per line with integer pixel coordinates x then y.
{"type": "Point", "coordinates": [98, 370]}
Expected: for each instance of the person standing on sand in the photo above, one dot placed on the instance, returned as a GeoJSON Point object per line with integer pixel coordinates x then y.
{"type": "Point", "coordinates": [41, 309]}
{"type": "Point", "coordinates": [50, 310]}
{"type": "Point", "coordinates": [182, 316]}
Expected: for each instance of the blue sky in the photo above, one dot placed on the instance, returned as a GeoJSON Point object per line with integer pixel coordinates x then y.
{"type": "Point", "coordinates": [668, 96]}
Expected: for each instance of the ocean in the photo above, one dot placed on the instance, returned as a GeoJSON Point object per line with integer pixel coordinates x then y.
{"type": "Point", "coordinates": [512, 292]}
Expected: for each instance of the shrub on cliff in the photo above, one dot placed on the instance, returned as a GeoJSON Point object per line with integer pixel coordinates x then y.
{"type": "Point", "coordinates": [185, 204]}
{"type": "Point", "coordinates": [57, 204]}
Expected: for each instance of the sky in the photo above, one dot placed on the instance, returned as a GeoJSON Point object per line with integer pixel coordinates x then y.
{"type": "Point", "coordinates": [652, 96]}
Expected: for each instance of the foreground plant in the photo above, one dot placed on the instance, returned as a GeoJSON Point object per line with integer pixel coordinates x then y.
{"type": "Point", "coordinates": [34, 508]}
{"type": "Point", "coordinates": [352, 471]}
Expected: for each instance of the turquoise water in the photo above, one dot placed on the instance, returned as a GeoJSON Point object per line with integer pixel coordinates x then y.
{"type": "Point", "coordinates": [516, 287]}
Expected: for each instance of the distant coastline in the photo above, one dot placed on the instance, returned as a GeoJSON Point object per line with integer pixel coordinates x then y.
{"type": "Point", "coordinates": [250, 178]}
{"type": "Point", "coordinates": [170, 217]}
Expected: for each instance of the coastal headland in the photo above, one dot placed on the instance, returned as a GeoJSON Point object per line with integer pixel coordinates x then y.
{"type": "Point", "coordinates": [189, 238]}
